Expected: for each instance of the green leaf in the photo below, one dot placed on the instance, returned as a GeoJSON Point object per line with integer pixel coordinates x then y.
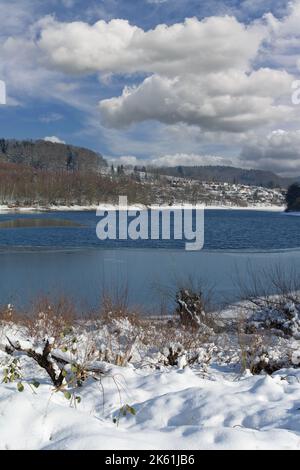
{"type": "Point", "coordinates": [78, 399]}
{"type": "Point", "coordinates": [35, 384]}
{"type": "Point", "coordinates": [67, 395]}
{"type": "Point", "coordinates": [20, 387]}
{"type": "Point", "coordinates": [131, 410]}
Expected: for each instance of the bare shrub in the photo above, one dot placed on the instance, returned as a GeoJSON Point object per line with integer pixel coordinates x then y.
{"type": "Point", "coordinates": [277, 312]}
{"type": "Point", "coordinates": [270, 320]}
{"type": "Point", "coordinates": [115, 307]}
{"type": "Point", "coordinates": [114, 334]}
{"type": "Point", "coordinates": [8, 313]}
{"type": "Point", "coordinates": [260, 353]}
{"type": "Point", "coordinates": [119, 326]}
{"type": "Point", "coordinates": [50, 318]}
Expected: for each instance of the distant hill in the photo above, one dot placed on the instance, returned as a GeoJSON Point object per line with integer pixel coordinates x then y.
{"type": "Point", "coordinates": [40, 154]}
{"type": "Point", "coordinates": [228, 174]}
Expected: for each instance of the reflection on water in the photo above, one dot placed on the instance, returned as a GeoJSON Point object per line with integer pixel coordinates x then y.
{"type": "Point", "coordinates": [38, 223]}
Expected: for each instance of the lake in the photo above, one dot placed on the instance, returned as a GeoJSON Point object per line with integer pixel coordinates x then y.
{"type": "Point", "coordinates": [59, 253]}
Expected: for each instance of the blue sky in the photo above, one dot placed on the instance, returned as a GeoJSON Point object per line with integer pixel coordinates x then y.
{"type": "Point", "coordinates": [155, 96]}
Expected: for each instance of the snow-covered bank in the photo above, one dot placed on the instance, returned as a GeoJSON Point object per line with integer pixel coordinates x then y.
{"type": "Point", "coordinates": [76, 208]}
{"type": "Point", "coordinates": [263, 208]}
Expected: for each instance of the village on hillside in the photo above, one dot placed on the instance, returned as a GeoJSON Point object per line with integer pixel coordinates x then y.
{"type": "Point", "coordinates": [174, 190]}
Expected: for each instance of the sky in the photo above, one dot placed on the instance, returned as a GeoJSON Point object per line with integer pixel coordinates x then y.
{"type": "Point", "coordinates": [164, 82]}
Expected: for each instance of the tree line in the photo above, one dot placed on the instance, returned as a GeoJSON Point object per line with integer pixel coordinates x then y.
{"type": "Point", "coordinates": [21, 185]}
{"type": "Point", "coordinates": [293, 197]}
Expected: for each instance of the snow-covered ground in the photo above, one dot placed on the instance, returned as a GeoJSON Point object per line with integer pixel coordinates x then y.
{"type": "Point", "coordinates": [76, 208]}
{"type": "Point", "coordinates": [258, 207]}
{"type": "Point", "coordinates": [4, 208]}
{"type": "Point", "coordinates": [208, 403]}
{"type": "Point", "coordinates": [175, 409]}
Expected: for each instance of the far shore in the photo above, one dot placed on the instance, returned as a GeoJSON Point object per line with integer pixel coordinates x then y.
{"type": "Point", "coordinates": [104, 206]}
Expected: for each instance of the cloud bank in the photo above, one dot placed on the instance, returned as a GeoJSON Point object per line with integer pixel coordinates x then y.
{"type": "Point", "coordinates": [279, 151]}
{"type": "Point", "coordinates": [199, 72]}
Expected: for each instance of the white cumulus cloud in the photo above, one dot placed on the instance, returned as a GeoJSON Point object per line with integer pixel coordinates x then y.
{"type": "Point", "coordinates": [233, 102]}
{"type": "Point", "coordinates": [199, 72]}
{"type": "Point", "coordinates": [194, 46]}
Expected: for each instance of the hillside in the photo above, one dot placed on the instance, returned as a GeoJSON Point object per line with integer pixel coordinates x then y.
{"type": "Point", "coordinates": [228, 174]}
{"type": "Point", "coordinates": [49, 156]}
{"type": "Point", "coordinates": [46, 155]}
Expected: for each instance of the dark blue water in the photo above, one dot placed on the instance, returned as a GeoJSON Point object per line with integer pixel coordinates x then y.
{"type": "Point", "coordinates": [224, 230]}
{"type": "Point", "coordinates": [72, 261]}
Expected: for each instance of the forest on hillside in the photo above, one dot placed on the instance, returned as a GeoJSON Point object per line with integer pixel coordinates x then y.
{"type": "Point", "coordinates": [22, 185]}
{"type": "Point", "coordinates": [41, 154]}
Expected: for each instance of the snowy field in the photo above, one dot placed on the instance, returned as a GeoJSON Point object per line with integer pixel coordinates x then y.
{"type": "Point", "coordinates": [175, 409]}
{"type": "Point", "coordinates": [150, 384]}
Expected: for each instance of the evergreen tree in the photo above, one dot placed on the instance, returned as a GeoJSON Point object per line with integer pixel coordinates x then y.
{"type": "Point", "coordinates": [293, 197]}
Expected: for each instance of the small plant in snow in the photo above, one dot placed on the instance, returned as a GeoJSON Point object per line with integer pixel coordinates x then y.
{"type": "Point", "coordinates": [12, 372]}
{"type": "Point", "coordinates": [69, 366]}
{"type": "Point", "coordinates": [59, 367]}
{"type": "Point", "coordinates": [173, 354]}
{"type": "Point", "coordinates": [262, 354]}
{"type": "Point", "coordinates": [124, 411]}
{"type": "Point", "coordinates": [282, 320]}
